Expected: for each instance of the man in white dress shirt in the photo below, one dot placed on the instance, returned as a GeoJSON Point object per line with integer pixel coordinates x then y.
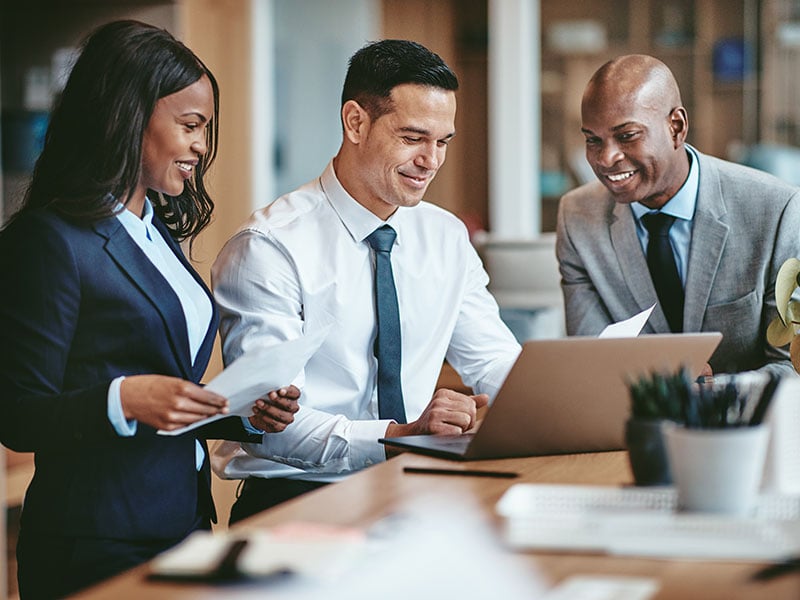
{"type": "Point", "coordinates": [304, 262]}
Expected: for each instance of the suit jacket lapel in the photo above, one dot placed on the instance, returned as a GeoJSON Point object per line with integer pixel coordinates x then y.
{"type": "Point", "coordinates": [633, 265]}
{"type": "Point", "coordinates": [709, 233]}
{"type": "Point", "coordinates": [152, 284]}
{"type": "Point", "coordinates": [204, 353]}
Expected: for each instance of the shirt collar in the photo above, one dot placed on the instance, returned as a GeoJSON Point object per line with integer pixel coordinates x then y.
{"type": "Point", "coordinates": [147, 213]}
{"type": "Point", "coordinates": [134, 225]}
{"type": "Point", "coordinates": [682, 204]}
{"type": "Point", "coordinates": [359, 221]}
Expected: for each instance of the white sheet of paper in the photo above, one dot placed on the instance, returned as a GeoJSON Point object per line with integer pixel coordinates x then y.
{"type": "Point", "coordinates": [315, 550]}
{"type": "Point", "coordinates": [604, 587]}
{"type": "Point", "coordinates": [629, 327]}
{"type": "Point", "coordinates": [257, 373]}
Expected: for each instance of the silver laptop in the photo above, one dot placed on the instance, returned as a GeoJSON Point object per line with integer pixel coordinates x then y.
{"type": "Point", "coordinates": [567, 395]}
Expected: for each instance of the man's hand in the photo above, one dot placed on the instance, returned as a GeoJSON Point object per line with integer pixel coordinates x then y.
{"type": "Point", "coordinates": [168, 402]}
{"type": "Point", "coordinates": [448, 412]}
{"type": "Point", "coordinates": [275, 412]}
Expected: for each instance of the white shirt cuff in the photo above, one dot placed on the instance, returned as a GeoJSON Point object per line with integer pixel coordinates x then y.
{"type": "Point", "coordinates": [364, 446]}
{"type": "Point", "coordinates": [123, 426]}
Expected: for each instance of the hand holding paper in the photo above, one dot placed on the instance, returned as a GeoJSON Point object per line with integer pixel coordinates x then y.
{"type": "Point", "coordinates": [257, 373]}
{"type": "Point", "coordinates": [275, 411]}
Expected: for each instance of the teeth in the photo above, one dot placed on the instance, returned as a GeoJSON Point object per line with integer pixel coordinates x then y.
{"type": "Point", "coordinates": [184, 166]}
{"type": "Point", "coordinates": [621, 176]}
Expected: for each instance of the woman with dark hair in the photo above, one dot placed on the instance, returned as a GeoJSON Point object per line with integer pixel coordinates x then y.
{"type": "Point", "coordinates": [105, 327]}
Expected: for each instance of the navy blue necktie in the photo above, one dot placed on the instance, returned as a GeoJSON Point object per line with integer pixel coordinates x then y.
{"type": "Point", "coordinates": [387, 343]}
{"type": "Point", "coordinates": [663, 270]}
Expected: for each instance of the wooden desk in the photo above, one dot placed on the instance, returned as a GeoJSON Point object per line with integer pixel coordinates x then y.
{"type": "Point", "coordinates": [370, 495]}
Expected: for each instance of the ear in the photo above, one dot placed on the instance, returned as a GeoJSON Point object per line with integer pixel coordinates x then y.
{"type": "Point", "coordinates": [678, 126]}
{"type": "Point", "coordinates": [355, 121]}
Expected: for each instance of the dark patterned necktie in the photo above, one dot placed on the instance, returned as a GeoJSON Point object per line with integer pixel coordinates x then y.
{"type": "Point", "coordinates": [387, 343]}
{"type": "Point", "coordinates": [663, 270]}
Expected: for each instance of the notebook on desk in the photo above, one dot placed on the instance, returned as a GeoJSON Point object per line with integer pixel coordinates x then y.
{"type": "Point", "coordinates": [567, 395]}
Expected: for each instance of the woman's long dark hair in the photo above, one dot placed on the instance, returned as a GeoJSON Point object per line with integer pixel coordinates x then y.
{"type": "Point", "coordinates": [92, 156]}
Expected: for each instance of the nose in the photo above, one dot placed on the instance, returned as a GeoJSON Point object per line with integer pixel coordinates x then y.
{"type": "Point", "coordinates": [606, 155]}
{"type": "Point", "coordinates": [200, 144]}
{"type": "Point", "coordinates": [431, 156]}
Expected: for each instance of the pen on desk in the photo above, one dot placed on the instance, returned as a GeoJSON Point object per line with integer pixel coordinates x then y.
{"type": "Point", "coordinates": [228, 567]}
{"type": "Point", "coordinates": [464, 472]}
{"type": "Point", "coordinates": [790, 565]}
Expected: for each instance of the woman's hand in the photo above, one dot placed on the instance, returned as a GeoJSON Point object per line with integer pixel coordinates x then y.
{"type": "Point", "coordinates": [168, 402]}
{"type": "Point", "coordinates": [275, 412]}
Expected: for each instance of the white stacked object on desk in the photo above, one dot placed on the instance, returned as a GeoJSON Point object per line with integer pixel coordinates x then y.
{"type": "Point", "coordinates": [782, 467]}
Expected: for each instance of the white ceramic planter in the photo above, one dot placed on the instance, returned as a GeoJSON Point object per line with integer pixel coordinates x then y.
{"type": "Point", "coordinates": [717, 470]}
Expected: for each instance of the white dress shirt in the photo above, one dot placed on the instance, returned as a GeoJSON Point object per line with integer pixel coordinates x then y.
{"type": "Point", "coordinates": [302, 263]}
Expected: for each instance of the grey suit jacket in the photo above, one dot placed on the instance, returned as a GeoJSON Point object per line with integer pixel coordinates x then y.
{"type": "Point", "coordinates": [746, 224]}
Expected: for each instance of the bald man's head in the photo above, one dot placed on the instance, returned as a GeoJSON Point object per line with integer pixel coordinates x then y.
{"type": "Point", "coordinates": [644, 77]}
{"type": "Point", "coordinates": [635, 127]}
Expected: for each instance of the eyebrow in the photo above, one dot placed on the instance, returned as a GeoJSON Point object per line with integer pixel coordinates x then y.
{"type": "Point", "coordinates": [425, 132]}
{"type": "Point", "coordinates": [615, 128]}
{"type": "Point", "coordinates": [624, 125]}
{"type": "Point", "coordinates": [199, 115]}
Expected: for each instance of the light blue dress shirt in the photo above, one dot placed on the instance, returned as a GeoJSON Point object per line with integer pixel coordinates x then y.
{"type": "Point", "coordinates": [681, 206]}
{"type": "Point", "coordinates": [195, 303]}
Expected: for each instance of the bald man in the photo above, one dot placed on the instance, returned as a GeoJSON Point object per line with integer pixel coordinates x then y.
{"type": "Point", "coordinates": [731, 227]}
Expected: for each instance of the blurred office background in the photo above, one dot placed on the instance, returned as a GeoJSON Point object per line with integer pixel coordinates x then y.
{"type": "Point", "coordinates": [522, 66]}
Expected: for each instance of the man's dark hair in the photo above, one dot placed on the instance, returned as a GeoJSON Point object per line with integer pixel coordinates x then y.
{"type": "Point", "coordinates": [377, 68]}
{"type": "Point", "coordinates": [92, 156]}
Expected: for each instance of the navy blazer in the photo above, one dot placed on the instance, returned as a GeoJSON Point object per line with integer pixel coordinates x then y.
{"type": "Point", "coordinates": [80, 306]}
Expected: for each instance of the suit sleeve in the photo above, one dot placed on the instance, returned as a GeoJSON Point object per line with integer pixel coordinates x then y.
{"type": "Point", "coordinates": [584, 309]}
{"type": "Point", "coordinates": [39, 312]}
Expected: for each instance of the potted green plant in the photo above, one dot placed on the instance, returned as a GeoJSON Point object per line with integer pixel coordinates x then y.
{"type": "Point", "coordinates": [725, 402]}
{"type": "Point", "coordinates": [784, 328]}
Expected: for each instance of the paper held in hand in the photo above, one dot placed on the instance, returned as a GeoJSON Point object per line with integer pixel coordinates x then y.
{"type": "Point", "coordinates": [256, 373]}
{"type": "Point", "coordinates": [629, 327]}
